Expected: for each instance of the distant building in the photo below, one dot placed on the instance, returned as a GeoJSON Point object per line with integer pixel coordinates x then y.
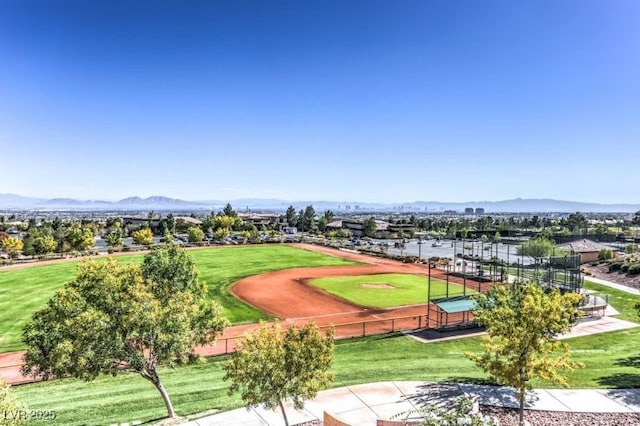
{"type": "Point", "coordinates": [468, 210]}
{"type": "Point", "coordinates": [587, 249]}
{"type": "Point", "coordinates": [263, 220]}
{"type": "Point", "coordinates": [479, 210]}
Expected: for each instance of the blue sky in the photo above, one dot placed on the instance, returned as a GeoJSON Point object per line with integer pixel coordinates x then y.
{"type": "Point", "coordinates": [389, 101]}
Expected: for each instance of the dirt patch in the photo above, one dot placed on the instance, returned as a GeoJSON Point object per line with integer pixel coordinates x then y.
{"type": "Point", "coordinates": [601, 271]}
{"type": "Point", "coordinates": [378, 285]}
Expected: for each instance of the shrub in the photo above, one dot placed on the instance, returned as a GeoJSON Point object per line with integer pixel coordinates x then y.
{"type": "Point", "coordinates": [625, 267]}
{"type": "Point", "coordinates": [615, 266]}
{"type": "Point", "coordinates": [605, 254]}
{"type": "Point", "coordinates": [631, 248]}
{"type": "Point", "coordinates": [634, 269]}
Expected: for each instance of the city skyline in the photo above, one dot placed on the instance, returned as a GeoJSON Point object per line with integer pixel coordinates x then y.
{"type": "Point", "coordinates": [373, 101]}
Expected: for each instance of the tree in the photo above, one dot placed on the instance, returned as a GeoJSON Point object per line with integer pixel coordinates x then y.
{"type": "Point", "coordinates": [605, 254]}
{"type": "Point", "coordinates": [307, 219]}
{"type": "Point", "coordinates": [229, 211]}
{"type": "Point", "coordinates": [80, 238]}
{"type": "Point", "coordinates": [44, 244]}
{"type": "Point", "coordinates": [12, 411]}
{"type": "Point", "coordinates": [114, 238]}
{"type": "Point", "coordinates": [576, 222]}
{"type": "Point", "coordinates": [322, 224]}
{"type": "Point", "coordinates": [223, 221]}
{"type": "Point", "coordinates": [522, 322]}
{"type": "Point", "coordinates": [270, 366]}
{"type": "Point", "coordinates": [196, 235]}
{"type": "Point", "coordinates": [114, 317]}
{"type": "Point", "coordinates": [143, 237]}
{"type": "Point", "coordinates": [369, 227]}
{"type": "Point", "coordinates": [536, 248]}
{"type": "Point", "coordinates": [12, 246]}
{"type": "Point", "coordinates": [291, 216]}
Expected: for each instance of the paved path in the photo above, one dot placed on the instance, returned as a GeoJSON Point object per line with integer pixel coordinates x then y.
{"type": "Point", "coordinates": [363, 404]}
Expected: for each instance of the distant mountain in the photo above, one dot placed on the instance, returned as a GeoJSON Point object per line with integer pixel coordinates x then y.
{"type": "Point", "coordinates": [10, 201]}
{"type": "Point", "coordinates": [157, 202]}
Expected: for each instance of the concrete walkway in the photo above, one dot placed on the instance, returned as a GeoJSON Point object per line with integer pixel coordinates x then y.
{"type": "Point", "coordinates": [364, 404]}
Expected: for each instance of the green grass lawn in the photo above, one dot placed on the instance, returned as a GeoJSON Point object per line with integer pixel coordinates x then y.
{"type": "Point", "coordinates": [386, 290]}
{"type": "Point", "coordinates": [608, 358]}
{"type": "Point", "coordinates": [23, 291]}
{"type": "Point", "coordinates": [611, 361]}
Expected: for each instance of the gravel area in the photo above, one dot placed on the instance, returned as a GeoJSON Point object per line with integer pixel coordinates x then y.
{"type": "Point", "coordinates": [509, 416]}
{"type": "Point", "coordinates": [601, 271]}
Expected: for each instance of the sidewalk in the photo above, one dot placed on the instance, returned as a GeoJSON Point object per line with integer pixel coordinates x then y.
{"type": "Point", "coordinates": [364, 404]}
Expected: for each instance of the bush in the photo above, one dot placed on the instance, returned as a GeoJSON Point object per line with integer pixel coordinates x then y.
{"type": "Point", "coordinates": [625, 267]}
{"type": "Point", "coordinates": [605, 254]}
{"type": "Point", "coordinates": [126, 248]}
{"type": "Point", "coordinates": [631, 248]}
{"type": "Point", "coordinates": [634, 269]}
{"type": "Point", "coordinates": [615, 266]}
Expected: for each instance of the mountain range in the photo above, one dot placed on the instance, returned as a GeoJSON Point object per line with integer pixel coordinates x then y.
{"type": "Point", "coordinates": [518, 205]}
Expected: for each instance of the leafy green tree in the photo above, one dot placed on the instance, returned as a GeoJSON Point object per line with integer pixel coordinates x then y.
{"type": "Point", "coordinates": [222, 233]}
{"type": "Point", "coordinates": [114, 238]}
{"type": "Point", "coordinates": [223, 221]}
{"type": "Point", "coordinates": [497, 237]}
{"type": "Point", "coordinates": [536, 248]}
{"type": "Point", "coordinates": [322, 224]}
{"type": "Point", "coordinates": [171, 223]}
{"type": "Point", "coordinates": [195, 235]}
{"type": "Point", "coordinates": [605, 254]}
{"type": "Point", "coordinates": [113, 318]}
{"type": "Point", "coordinates": [523, 322]}
{"type": "Point", "coordinates": [343, 233]}
{"type": "Point", "coordinates": [12, 246]}
{"type": "Point", "coordinates": [143, 237]}
{"type": "Point", "coordinates": [44, 244]}
{"type": "Point", "coordinates": [11, 409]}
{"type": "Point", "coordinates": [80, 238]}
{"type": "Point", "coordinates": [369, 227]}
{"type": "Point", "coordinates": [270, 366]}
{"type": "Point", "coordinates": [577, 222]}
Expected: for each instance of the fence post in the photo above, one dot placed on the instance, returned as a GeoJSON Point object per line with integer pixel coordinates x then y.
{"type": "Point", "coordinates": [226, 346]}
{"type": "Point", "coordinates": [420, 321]}
{"type": "Point", "coordinates": [393, 325]}
{"type": "Point", "coordinates": [364, 333]}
